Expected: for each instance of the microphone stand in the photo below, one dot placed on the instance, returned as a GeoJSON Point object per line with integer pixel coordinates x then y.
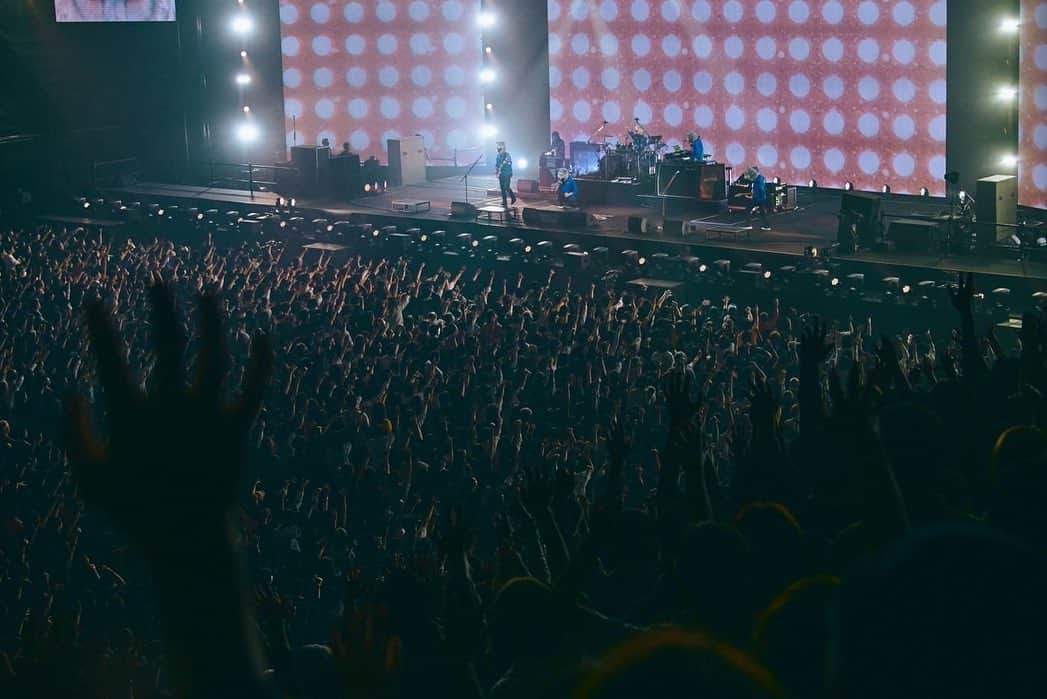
{"type": "Point", "coordinates": [465, 178]}
{"type": "Point", "coordinates": [665, 194]}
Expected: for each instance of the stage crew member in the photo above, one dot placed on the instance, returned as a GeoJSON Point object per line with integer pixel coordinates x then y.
{"type": "Point", "coordinates": [557, 147]}
{"type": "Point", "coordinates": [503, 166]}
{"type": "Point", "coordinates": [567, 190]}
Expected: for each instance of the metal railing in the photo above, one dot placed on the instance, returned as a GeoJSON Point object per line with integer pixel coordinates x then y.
{"type": "Point", "coordinates": [243, 176]}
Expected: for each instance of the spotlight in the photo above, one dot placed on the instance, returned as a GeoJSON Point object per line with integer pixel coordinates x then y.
{"type": "Point", "coordinates": [1009, 160]}
{"type": "Point", "coordinates": [702, 269]}
{"type": "Point", "coordinates": [243, 53]}
{"type": "Point", "coordinates": [642, 261]}
{"type": "Point", "coordinates": [293, 202]}
{"type": "Point", "coordinates": [485, 20]}
{"type": "Point", "coordinates": [475, 243]}
{"type": "Point", "coordinates": [963, 195]}
{"type": "Point", "coordinates": [528, 249]}
{"type": "Point", "coordinates": [835, 281]}
{"type": "Point", "coordinates": [488, 50]}
{"type": "Point", "coordinates": [243, 79]}
{"type": "Point", "coordinates": [490, 106]}
{"type": "Point", "coordinates": [812, 184]}
{"type": "Point", "coordinates": [1006, 93]}
{"type": "Point", "coordinates": [810, 251]}
{"type": "Point", "coordinates": [767, 274]}
{"type": "Point", "coordinates": [159, 212]}
{"type": "Point", "coordinates": [424, 238]}
{"type": "Point", "coordinates": [247, 110]}
{"type": "Point", "coordinates": [375, 233]}
{"type": "Point", "coordinates": [906, 289]}
{"type": "Point", "coordinates": [777, 181]}
{"type": "Point", "coordinates": [242, 25]}
{"type": "Point", "coordinates": [522, 162]}
{"type": "Point", "coordinates": [487, 75]}
{"type": "Point", "coordinates": [86, 204]}
{"type": "Point", "coordinates": [848, 186]}
{"type": "Point", "coordinates": [283, 224]}
{"type": "Point", "coordinates": [199, 217]}
{"type": "Point", "coordinates": [1010, 25]}
{"type": "Point", "coordinates": [886, 189]}
{"type": "Point", "coordinates": [924, 192]}
{"type": "Point", "coordinates": [247, 133]}
{"type": "Point", "coordinates": [489, 131]}
{"type": "Point", "coordinates": [367, 188]}
{"type": "Point", "coordinates": [330, 228]}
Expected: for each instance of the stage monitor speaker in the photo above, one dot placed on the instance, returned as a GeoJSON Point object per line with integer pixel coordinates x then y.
{"type": "Point", "coordinates": [861, 209]}
{"type": "Point", "coordinates": [637, 225]}
{"type": "Point", "coordinates": [347, 180]}
{"type": "Point", "coordinates": [527, 186]}
{"type": "Point", "coordinates": [555, 218]}
{"type": "Point", "coordinates": [406, 161]}
{"type": "Point", "coordinates": [461, 209]}
{"type": "Point", "coordinates": [996, 201]}
{"type": "Point", "coordinates": [912, 235]}
{"type": "Point", "coordinates": [672, 227]}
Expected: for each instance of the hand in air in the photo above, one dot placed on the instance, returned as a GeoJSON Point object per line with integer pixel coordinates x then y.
{"type": "Point", "coordinates": [174, 454]}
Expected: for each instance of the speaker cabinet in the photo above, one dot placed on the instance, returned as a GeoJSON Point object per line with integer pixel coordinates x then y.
{"type": "Point", "coordinates": [637, 225]}
{"type": "Point", "coordinates": [313, 164]}
{"type": "Point", "coordinates": [910, 235]}
{"type": "Point", "coordinates": [860, 210]}
{"type": "Point", "coordinates": [406, 161]}
{"type": "Point", "coordinates": [996, 201]}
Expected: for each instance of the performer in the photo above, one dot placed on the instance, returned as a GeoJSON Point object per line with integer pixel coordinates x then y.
{"type": "Point", "coordinates": [567, 189]}
{"type": "Point", "coordinates": [557, 147]}
{"type": "Point", "coordinates": [503, 166]}
{"type": "Point", "coordinates": [637, 129]}
{"type": "Point", "coordinates": [759, 195]}
{"type": "Point", "coordinates": [697, 147]}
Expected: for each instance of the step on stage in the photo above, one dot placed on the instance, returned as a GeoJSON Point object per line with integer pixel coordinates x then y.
{"type": "Point", "coordinates": [697, 232]}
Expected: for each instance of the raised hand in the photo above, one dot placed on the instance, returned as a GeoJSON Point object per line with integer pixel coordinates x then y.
{"type": "Point", "coordinates": [814, 345]}
{"type": "Point", "coordinates": [174, 454]}
{"type": "Point", "coordinates": [765, 412]}
{"type": "Point", "coordinates": [678, 398]}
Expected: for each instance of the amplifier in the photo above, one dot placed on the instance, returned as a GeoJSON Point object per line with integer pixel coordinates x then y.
{"type": "Point", "coordinates": [912, 235]}
{"type": "Point", "coordinates": [461, 209]}
{"type": "Point", "coordinates": [784, 197]}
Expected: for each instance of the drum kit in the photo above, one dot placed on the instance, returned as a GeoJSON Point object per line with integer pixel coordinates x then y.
{"type": "Point", "coordinates": [633, 156]}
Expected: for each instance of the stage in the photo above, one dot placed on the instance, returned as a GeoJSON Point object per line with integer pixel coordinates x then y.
{"type": "Point", "coordinates": [719, 235]}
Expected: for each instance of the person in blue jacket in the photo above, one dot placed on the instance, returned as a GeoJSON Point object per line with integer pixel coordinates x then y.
{"type": "Point", "coordinates": [697, 147]}
{"type": "Point", "coordinates": [503, 166]}
{"type": "Point", "coordinates": [567, 191]}
{"type": "Point", "coordinates": [759, 183]}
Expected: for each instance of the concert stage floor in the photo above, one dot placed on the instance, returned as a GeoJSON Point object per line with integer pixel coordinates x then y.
{"type": "Point", "coordinates": [812, 223]}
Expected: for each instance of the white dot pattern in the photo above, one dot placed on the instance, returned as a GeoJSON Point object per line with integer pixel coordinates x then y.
{"type": "Point", "coordinates": [1032, 163]}
{"type": "Point", "coordinates": [830, 90]}
{"type": "Point", "coordinates": [366, 71]}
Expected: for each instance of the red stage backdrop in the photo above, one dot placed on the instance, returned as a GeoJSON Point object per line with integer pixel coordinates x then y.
{"type": "Point", "coordinates": [367, 71]}
{"type": "Point", "coordinates": [832, 90]}
{"type": "Point", "coordinates": [1032, 163]}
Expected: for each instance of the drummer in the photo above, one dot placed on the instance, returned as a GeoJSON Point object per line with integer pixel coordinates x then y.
{"type": "Point", "coordinates": [637, 129]}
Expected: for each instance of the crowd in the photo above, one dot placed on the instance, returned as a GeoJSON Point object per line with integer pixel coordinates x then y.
{"type": "Point", "coordinates": [259, 470]}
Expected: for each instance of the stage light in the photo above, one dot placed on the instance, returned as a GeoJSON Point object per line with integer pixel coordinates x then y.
{"type": "Point", "coordinates": [777, 181]}
{"type": "Point", "coordinates": [489, 131]}
{"type": "Point", "coordinates": [330, 228]}
{"type": "Point", "coordinates": [810, 251]}
{"type": "Point", "coordinates": [283, 224]}
{"type": "Point", "coordinates": [243, 53]}
{"type": "Point", "coordinates": [243, 79]}
{"type": "Point", "coordinates": [375, 233]}
{"type": "Point", "coordinates": [963, 195]}
{"type": "Point", "coordinates": [367, 188]}
{"type": "Point", "coordinates": [247, 110]}
{"type": "Point", "coordinates": [528, 249]}
{"type": "Point", "coordinates": [490, 106]}
{"type": "Point", "coordinates": [835, 281]}
{"type": "Point", "coordinates": [702, 269]}
{"type": "Point", "coordinates": [924, 192]}
{"type": "Point", "coordinates": [1006, 93]}
{"type": "Point", "coordinates": [906, 289]}
{"type": "Point", "coordinates": [159, 212]}
{"type": "Point", "coordinates": [522, 162]}
{"type": "Point", "coordinates": [247, 133]}
{"type": "Point", "coordinates": [242, 25]}
{"type": "Point", "coordinates": [886, 189]}
{"type": "Point", "coordinates": [642, 261]}
{"type": "Point", "coordinates": [487, 75]}
{"type": "Point", "coordinates": [424, 238]}
{"type": "Point", "coordinates": [199, 217]}
{"type": "Point", "coordinates": [87, 204]}
{"type": "Point", "coordinates": [293, 202]}
{"type": "Point", "coordinates": [488, 50]}
{"type": "Point", "coordinates": [1010, 25]}
{"type": "Point", "coordinates": [848, 186]}
{"type": "Point", "coordinates": [812, 184]}
{"type": "Point", "coordinates": [485, 19]}
{"type": "Point", "coordinates": [1009, 160]}
{"type": "Point", "coordinates": [767, 274]}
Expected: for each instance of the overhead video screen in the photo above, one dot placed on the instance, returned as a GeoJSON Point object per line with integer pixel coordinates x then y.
{"type": "Point", "coordinates": [364, 72]}
{"type": "Point", "coordinates": [829, 90]}
{"type": "Point", "coordinates": [1032, 155]}
{"type": "Point", "coordinates": [115, 10]}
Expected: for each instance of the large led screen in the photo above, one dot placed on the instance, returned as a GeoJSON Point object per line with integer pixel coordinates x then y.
{"type": "Point", "coordinates": [1032, 154]}
{"type": "Point", "coordinates": [823, 89]}
{"type": "Point", "coordinates": [115, 10]}
{"type": "Point", "coordinates": [364, 72]}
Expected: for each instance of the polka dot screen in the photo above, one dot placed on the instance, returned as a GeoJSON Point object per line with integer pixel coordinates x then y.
{"type": "Point", "coordinates": [1032, 153]}
{"type": "Point", "coordinates": [829, 90]}
{"type": "Point", "coordinates": [368, 71]}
